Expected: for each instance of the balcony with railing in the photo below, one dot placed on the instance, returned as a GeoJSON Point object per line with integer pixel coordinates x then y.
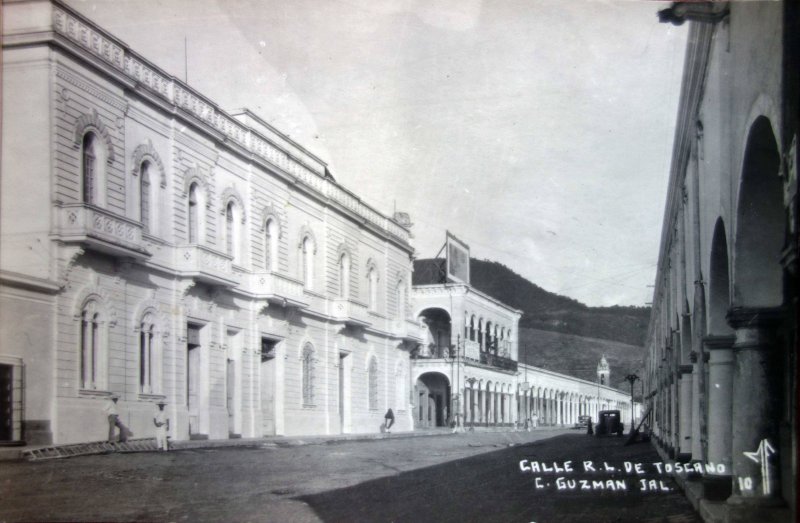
{"type": "Point", "coordinates": [276, 288]}
{"type": "Point", "coordinates": [206, 265]}
{"type": "Point", "coordinates": [101, 230]}
{"type": "Point", "coordinates": [472, 350]}
{"type": "Point", "coordinates": [434, 351]}
{"type": "Point", "coordinates": [350, 312]}
{"type": "Point", "coordinates": [500, 362]}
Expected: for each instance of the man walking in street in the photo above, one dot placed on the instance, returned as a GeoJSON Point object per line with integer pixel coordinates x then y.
{"type": "Point", "coordinates": [113, 420]}
{"type": "Point", "coordinates": [389, 417]}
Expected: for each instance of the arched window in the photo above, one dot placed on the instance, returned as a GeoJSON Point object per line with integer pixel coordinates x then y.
{"type": "Point", "coordinates": [144, 197]}
{"type": "Point", "coordinates": [373, 384]}
{"type": "Point", "coordinates": [344, 275]}
{"type": "Point", "coordinates": [89, 169]}
{"type": "Point", "coordinates": [194, 214]}
{"type": "Point", "coordinates": [149, 357]}
{"type": "Point", "coordinates": [372, 286]}
{"type": "Point", "coordinates": [229, 226]}
{"type": "Point", "coordinates": [472, 329]}
{"type": "Point", "coordinates": [91, 343]}
{"type": "Point", "coordinates": [307, 261]}
{"type": "Point", "coordinates": [271, 245]}
{"type": "Point", "coordinates": [308, 375]}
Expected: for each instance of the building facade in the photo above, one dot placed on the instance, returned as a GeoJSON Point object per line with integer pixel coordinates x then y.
{"type": "Point", "coordinates": [158, 248]}
{"type": "Point", "coordinates": [467, 373]}
{"type": "Point", "coordinates": [721, 352]}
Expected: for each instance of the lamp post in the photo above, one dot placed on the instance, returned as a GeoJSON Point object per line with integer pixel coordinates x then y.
{"type": "Point", "coordinates": [471, 382]}
{"type": "Point", "coordinates": [525, 385]}
{"type": "Point", "coordinates": [631, 378]}
{"type": "Point", "coordinates": [456, 400]}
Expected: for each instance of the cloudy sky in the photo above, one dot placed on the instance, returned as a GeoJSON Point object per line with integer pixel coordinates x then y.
{"type": "Point", "coordinates": [537, 131]}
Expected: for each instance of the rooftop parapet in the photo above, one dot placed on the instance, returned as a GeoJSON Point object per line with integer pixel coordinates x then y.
{"type": "Point", "coordinates": [51, 20]}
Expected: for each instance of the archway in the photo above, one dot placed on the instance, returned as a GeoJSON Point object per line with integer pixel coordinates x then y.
{"type": "Point", "coordinates": [719, 299]}
{"type": "Point", "coordinates": [758, 294]}
{"type": "Point", "coordinates": [759, 240]}
{"type": "Point", "coordinates": [437, 333]}
{"type": "Point", "coordinates": [432, 400]}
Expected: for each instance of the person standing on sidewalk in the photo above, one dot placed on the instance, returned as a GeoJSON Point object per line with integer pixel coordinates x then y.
{"type": "Point", "coordinates": [113, 420]}
{"type": "Point", "coordinates": [389, 417]}
{"type": "Point", "coordinates": [161, 422]}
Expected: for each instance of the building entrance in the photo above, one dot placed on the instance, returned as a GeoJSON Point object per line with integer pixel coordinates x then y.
{"type": "Point", "coordinates": [193, 377]}
{"type": "Point", "coordinates": [6, 402]}
{"type": "Point", "coordinates": [268, 348]}
{"type": "Point", "coordinates": [432, 399]}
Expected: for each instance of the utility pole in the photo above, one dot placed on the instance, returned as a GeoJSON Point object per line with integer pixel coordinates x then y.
{"type": "Point", "coordinates": [631, 378]}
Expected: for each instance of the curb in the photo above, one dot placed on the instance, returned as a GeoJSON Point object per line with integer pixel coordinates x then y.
{"type": "Point", "coordinates": [46, 453]}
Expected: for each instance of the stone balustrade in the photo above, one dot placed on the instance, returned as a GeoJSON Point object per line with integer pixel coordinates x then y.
{"type": "Point", "coordinates": [275, 287]}
{"type": "Point", "coordinates": [159, 83]}
{"type": "Point", "coordinates": [206, 265]}
{"type": "Point", "coordinates": [350, 312]}
{"type": "Point", "coordinates": [101, 230]}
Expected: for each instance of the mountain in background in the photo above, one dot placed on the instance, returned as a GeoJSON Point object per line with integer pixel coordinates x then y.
{"type": "Point", "coordinates": [557, 332]}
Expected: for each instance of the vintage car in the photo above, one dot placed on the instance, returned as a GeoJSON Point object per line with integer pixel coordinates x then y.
{"type": "Point", "coordinates": [583, 422]}
{"type": "Point", "coordinates": [609, 422]}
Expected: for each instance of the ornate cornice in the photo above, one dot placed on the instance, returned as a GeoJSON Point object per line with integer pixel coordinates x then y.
{"type": "Point", "coordinates": [84, 85]}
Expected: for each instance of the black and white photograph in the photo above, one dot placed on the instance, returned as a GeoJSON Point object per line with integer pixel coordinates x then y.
{"type": "Point", "coordinates": [399, 261]}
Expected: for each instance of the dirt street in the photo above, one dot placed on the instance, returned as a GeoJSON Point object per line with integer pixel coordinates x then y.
{"type": "Point", "coordinates": [462, 477]}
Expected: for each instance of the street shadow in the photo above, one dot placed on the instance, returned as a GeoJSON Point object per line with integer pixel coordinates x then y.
{"type": "Point", "coordinates": [491, 487]}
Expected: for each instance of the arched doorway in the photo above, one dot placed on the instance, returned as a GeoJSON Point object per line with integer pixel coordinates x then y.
{"type": "Point", "coordinates": [432, 400]}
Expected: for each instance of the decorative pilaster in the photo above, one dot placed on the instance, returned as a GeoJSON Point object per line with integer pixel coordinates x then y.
{"type": "Point", "coordinates": [696, 443]}
{"type": "Point", "coordinates": [684, 450]}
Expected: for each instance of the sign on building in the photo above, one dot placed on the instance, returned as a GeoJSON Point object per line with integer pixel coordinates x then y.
{"type": "Point", "coordinates": [457, 259]}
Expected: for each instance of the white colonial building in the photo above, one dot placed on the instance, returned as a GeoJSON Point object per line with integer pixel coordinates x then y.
{"type": "Point", "coordinates": [467, 370]}
{"type": "Point", "coordinates": [159, 248]}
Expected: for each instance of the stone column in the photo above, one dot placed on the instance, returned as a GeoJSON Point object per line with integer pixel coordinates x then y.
{"type": "Point", "coordinates": [673, 420]}
{"type": "Point", "coordinates": [697, 449]}
{"type": "Point", "coordinates": [685, 417]}
{"type": "Point", "coordinates": [756, 403]}
{"type": "Point", "coordinates": [717, 487]}
{"type": "Point", "coordinates": [478, 406]}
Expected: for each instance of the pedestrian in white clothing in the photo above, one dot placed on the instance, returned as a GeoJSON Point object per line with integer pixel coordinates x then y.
{"type": "Point", "coordinates": [161, 422]}
{"type": "Point", "coordinates": [114, 422]}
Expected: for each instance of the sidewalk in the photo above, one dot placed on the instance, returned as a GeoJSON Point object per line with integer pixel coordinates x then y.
{"type": "Point", "coordinates": [42, 452]}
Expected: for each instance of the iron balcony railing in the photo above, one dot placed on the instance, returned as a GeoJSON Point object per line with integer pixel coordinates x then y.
{"type": "Point", "coordinates": [498, 361]}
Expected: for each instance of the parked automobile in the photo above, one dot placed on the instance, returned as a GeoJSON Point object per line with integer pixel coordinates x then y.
{"type": "Point", "coordinates": [609, 422]}
{"type": "Point", "coordinates": [583, 421]}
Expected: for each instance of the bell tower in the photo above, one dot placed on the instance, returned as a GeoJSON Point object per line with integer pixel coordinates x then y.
{"type": "Point", "coordinates": [603, 372]}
